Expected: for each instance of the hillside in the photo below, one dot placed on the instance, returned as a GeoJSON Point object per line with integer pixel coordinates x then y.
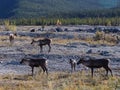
{"type": "Point", "coordinates": [37, 8]}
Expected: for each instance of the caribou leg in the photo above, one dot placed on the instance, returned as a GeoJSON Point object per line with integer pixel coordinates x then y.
{"type": "Point", "coordinates": [74, 67]}
{"type": "Point", "coordinates": [71, 68]}
{"type": "Point", "coordinates": [44, 69]}
{"type": "Point", "coordinates": [108, 69]}
{"type": "Point", "coordinates": [41, 49]}
{"type": "Point", "coordinates": [32, 70]}
{"type": "Point", "coordinates": [49, 48]}
{"type": "Point", "coordinates": [92, 71]}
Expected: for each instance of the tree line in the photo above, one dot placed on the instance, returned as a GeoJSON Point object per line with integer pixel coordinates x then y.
{"type": "Point", "coordinates": [109, 21]}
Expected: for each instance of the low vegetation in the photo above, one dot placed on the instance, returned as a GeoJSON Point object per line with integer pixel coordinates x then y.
{"type": "Point", "coordinates": [59, 81]}
{"type": "Point", "coordinates": [10, 26]}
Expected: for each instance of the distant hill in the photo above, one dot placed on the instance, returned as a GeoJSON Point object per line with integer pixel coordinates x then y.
{"type": "Point", "coordinates": [51, 8]}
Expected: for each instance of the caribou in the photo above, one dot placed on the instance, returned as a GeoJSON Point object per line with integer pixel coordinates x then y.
{"type": "Point", "coordinates": [73, 64]}
{"type": "Point", "coordinates": [11, 37]}
{"type": "Point", "coordinates": [36, 63]}
{"type": "Point", "coordinates": [96, 63]}
{"type": "Point", "coordinates": [42, 42]}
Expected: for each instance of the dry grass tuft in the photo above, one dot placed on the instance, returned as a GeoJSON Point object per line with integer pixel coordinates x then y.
{"type": "Point", "coordinates": [59, 81]}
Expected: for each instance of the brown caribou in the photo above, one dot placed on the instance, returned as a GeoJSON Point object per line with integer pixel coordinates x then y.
{"type": "Point", "coordinates": [96, 63]}
{"type": "Point", "coordinates": [35, 63]}
{"type": "Point", "coordinates": [42, 42]}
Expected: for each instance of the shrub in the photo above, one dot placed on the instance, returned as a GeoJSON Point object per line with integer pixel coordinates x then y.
{"type": "Point", "coordinates": [99, 35]}
{"type": "Point", "coordinates": [9, 27]}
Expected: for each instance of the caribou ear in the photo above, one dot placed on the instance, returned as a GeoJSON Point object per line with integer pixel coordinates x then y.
{"type": "Point", "coordinates": [32, 39]}
{"type": "Point", "coordinates": [15, 34]}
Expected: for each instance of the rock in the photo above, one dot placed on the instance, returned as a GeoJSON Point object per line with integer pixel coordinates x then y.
{"type": "Point", "coordinates": [52, 30]}
{"type": "Point", "coordinates": [78, 30]}
{"type": "Point", "coordinates": [39, 29]}
{"type": "Point", "coordinates": [93, 45]}
{"type": "Point", "coordinates": [58, 29]}
{"type": "Point", "coordinates": [89, 51]}
{"type": "Point", "coordinates": [32, 30]}
{"type": "Point", "coordinates": [66, 30]}
{"type": "Point", "coordinates": [85, 44]}
{"type": "Point", "coordinates": [104, 53]}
